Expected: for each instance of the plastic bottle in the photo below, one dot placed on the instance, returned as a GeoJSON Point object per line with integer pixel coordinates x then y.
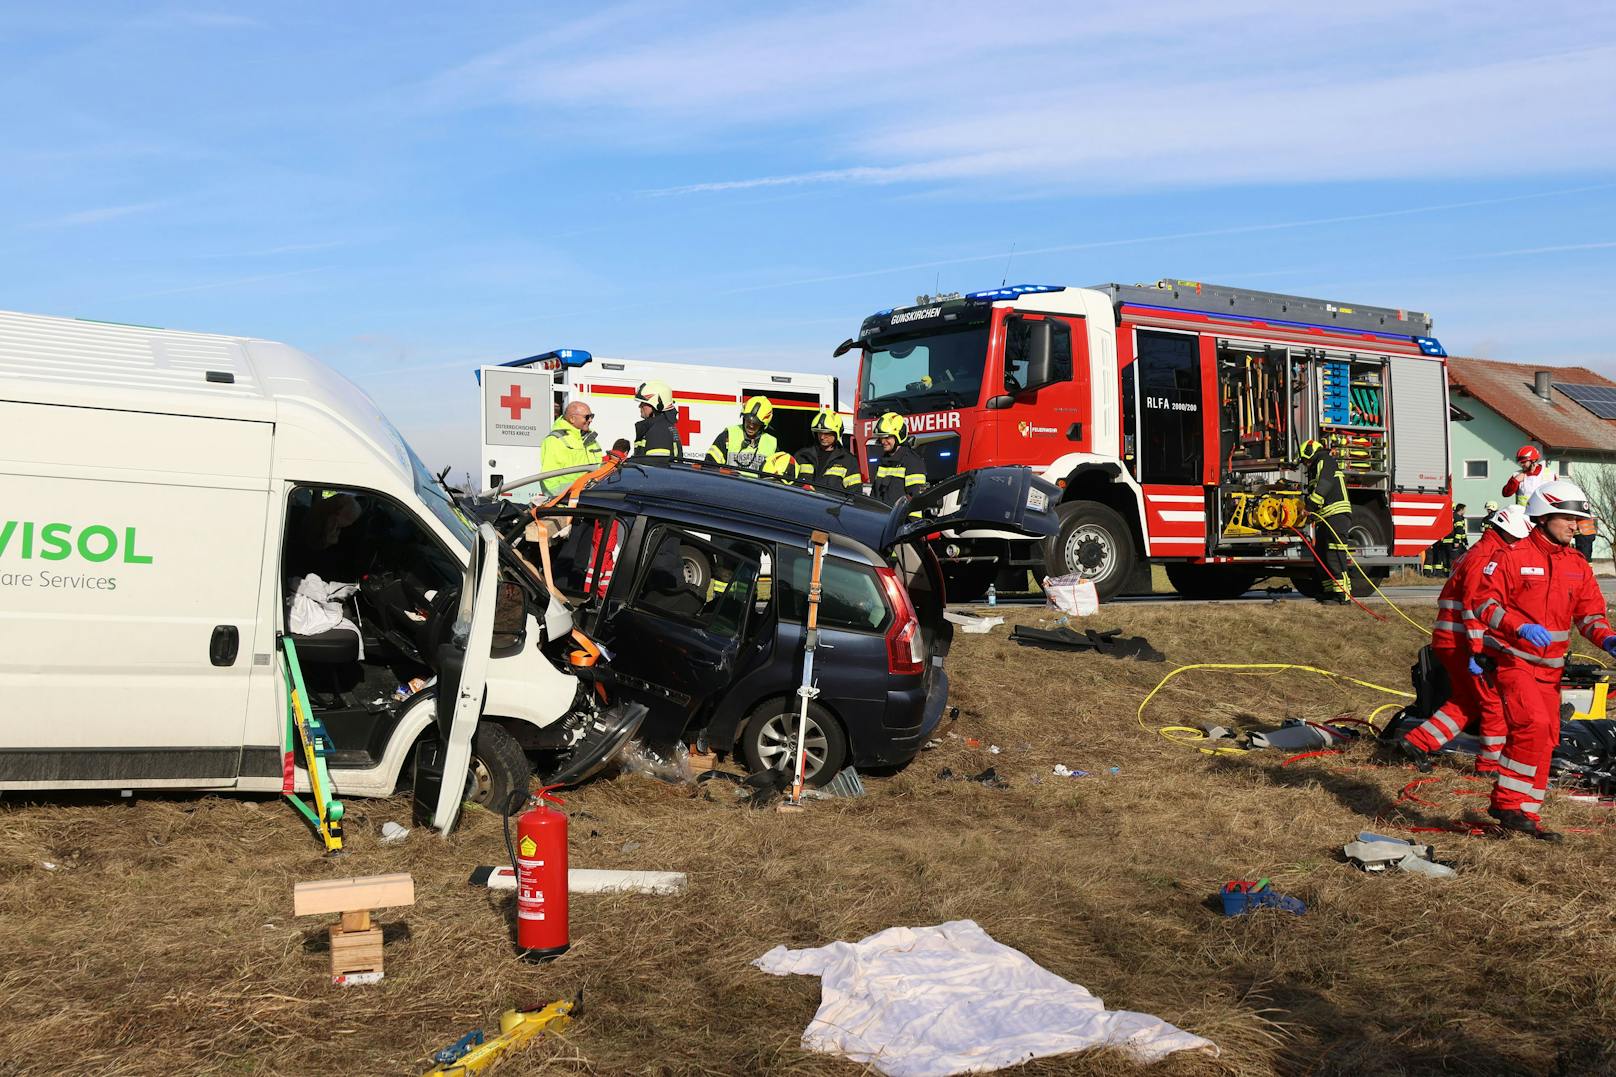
{"type": "Point", "coordinates": [993, 595]}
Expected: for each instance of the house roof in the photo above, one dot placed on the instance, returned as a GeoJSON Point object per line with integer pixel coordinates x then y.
{"type": "Point", "coordinates": [1560, 424]}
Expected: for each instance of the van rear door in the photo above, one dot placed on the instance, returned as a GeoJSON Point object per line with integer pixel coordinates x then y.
{"type": "Point", "coordinates": [463, 672]}
{"type": "Point", "coordinates": [132, 546]}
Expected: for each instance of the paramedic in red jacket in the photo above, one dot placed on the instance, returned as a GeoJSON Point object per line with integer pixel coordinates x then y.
{"type": "Point", "coordinates": [1533, 594]}
{"type": "Point", "coordinates": [1456, 642]}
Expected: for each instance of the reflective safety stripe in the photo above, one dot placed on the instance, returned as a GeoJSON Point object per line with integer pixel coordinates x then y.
{"type": "Point", "coordinates": [1514, 784]}
{"type": "Point", "coordinates": [1440, 728]}
{"type": "Point", "coordinates": [1518, 767]}
{"type": "Point", "coordinates": [655, 452]}
{"type": "Point", "coordinates": [1449, 604]}
{"type": "Point", "coordinates": [1493, 740]}
{"type": "Point", "coordinates": [889, 472]}
{"type": "Point", "coordinates": [805, 468]}
{"type": "Point", "coordinates": [915, 480]}
{"type": "Point", "coordinates": [1536, 660]}
{"type": "Point", "coordinates": [1491, 611]}
{"type": "Point", "coordinates": [1457, 628]}
{"type": "Point", "coordinates": [1560, 636]}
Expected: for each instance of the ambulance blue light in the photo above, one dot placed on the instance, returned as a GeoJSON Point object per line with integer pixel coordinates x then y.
{"type": "Point", "coordinates": [1430, 346]}
{"type": "Point", "coordinates": [1014, 290]}
{"type": "Point", "coordinates": [560, 359]}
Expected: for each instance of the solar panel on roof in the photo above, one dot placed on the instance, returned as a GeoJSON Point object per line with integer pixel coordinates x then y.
{"type": "Point", "coordinates": [1599, 399]}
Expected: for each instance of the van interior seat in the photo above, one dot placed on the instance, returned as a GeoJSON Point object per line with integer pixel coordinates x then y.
{"type": "Point", "coordinates": [335, 646]}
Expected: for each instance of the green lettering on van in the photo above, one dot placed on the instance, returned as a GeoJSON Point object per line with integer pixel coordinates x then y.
{"type": "Point", "coordinates": [98, 531]}
{"type": "Point", "coordinates": [130, 557]}
{"type": "Point", "coordinates": [56, 546]}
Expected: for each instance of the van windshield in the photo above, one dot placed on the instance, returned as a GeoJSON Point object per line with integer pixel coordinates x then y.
{"type": "Point", "coordinates": [438, 502]}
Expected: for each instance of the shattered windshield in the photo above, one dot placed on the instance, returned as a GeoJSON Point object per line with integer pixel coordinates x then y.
{"type": "Point", "coordinates": [917, 373]}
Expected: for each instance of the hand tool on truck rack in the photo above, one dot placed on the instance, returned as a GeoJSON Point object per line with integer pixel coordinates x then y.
{"type": "Point", "coordinates": [807, 691]}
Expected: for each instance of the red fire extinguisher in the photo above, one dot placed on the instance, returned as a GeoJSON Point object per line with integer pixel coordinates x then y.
{"type": "Point", "coordinates": [541, 879]}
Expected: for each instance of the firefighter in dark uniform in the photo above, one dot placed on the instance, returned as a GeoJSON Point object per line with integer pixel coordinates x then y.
{"type": "Point", "coordinates": [1458, 539]}
{"type": "Point", "coordinates": [1331, 508]}
{"type": "Point", "coordinates": [656, 435]}
{"type": "Point", "coordinates": [827, 465]}
{"type": "Point", "coordinates": [900, 472]}
{"type": "Point", "coordinates": [748, 444]}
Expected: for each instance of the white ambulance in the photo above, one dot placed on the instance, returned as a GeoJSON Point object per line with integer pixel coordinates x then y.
{"type": "Point", "coordinates": [166, 499]}
{"type": "Point", "coordinates": [522, 399]}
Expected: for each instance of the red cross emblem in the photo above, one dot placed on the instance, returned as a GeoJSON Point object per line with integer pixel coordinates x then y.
{"type": "Point", "coordinates": [689, 426]}
{"type": "Point", "coordinates": [515, 402]}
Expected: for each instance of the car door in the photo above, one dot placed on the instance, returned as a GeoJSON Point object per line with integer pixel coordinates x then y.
{"type": "Point", "coordinates": [463, 672]}
{"type": "Point", "coordinates": [676, 641]}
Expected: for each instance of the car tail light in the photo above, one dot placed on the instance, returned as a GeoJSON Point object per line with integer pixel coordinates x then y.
{"type": "Point", "coordinates": [906, 652]}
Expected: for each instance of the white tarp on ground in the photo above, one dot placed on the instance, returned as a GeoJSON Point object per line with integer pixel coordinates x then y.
{"type": "Point", "coordinates": [932, 1001]}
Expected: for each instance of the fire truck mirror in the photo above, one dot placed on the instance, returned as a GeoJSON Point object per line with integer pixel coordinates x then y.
{"type": "Point", "coordinates": [999, 403]}
{"type": "Point", "coordinates": [844, 347]}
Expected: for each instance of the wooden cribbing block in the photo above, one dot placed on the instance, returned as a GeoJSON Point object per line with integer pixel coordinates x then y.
{"type": "Point", "coordinates": [352, 895]}
{"type": "Point", "coordinates": [356, 943]}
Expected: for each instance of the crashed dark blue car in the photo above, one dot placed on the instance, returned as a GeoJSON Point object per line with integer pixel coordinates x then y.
{"type": "Point", "coordinates": [695, 581]}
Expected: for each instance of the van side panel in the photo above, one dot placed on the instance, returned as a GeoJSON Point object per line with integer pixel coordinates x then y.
{"type": "Point", "coordinates": [132, 547]}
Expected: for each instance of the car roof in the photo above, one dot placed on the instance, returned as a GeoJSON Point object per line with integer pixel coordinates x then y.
{"type": "Point", "coordinates": [724, 498]}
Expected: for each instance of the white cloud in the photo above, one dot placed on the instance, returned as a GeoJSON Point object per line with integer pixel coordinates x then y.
{"type": "Point", "coordinates": [1048, 97]}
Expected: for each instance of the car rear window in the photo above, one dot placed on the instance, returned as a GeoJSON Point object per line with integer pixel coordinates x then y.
{"type": "Point", "coordinates": [849, 594]}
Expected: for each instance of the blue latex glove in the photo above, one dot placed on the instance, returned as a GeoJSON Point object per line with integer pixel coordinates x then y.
{"type": "Point", "coordinates": [1475, 667]}
{"type": "Point", "coordinates": [1536, 635]}
{"type": "Point", "coordinates": [1610, 646]}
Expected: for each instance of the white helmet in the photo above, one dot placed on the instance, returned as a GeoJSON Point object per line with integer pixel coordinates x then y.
{"type": "Point", "coordinates": [1512, 521]}
{"type": "Point", "coordinates": [1559, 496]}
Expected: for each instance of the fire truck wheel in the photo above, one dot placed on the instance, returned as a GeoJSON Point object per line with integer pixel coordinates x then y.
{"type": "Point", "coordinates": [769, 740]}
{"type": "Point", "coordinates": [1366, 526]}
{"type": "Point", "coordinates": [1094, 541]}
{"type": "Point", "coordinates": [1210, 581]}
{"type": "Point", "coordinates": [499, 769]}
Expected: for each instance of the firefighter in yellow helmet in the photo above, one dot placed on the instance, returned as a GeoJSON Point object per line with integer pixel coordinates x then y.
{"type": "Point", "coordinates": [656, 435]}
{"type": "Point", "coordinates": [748, 444]}
{"type": "Point", "coordinates": [1331, 509]}
{"type": "Point", "coordinates": [826, 464]}
{"type": "Point", "coordinates": [900, 472]}
{"type": "Point", "coordinates": [781, 466]}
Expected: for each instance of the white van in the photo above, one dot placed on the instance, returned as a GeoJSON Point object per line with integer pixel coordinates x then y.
{"type": "Point", "coordinates": [163, 495]}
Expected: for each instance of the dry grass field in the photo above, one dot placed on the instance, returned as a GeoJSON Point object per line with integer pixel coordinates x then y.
{"type": "Point", "coordinates": [163, 942]}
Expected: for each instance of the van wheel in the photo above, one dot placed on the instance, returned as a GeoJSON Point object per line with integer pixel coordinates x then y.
{"type": "Point", "coordinates": [696, 567]}
{"type": "Point", "coordinates": [1093, 542]}
{"type": "Point", "coordinates": [500, 772]}
{"type": "Point", "coordinates": [769, 741]}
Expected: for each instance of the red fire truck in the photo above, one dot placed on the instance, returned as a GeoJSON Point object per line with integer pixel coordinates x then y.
{"type": "Point", "coordinates": [1170, 415]}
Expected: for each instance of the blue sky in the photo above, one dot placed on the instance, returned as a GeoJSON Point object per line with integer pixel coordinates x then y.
{"type": "Point", "coordinates": [409, 190]}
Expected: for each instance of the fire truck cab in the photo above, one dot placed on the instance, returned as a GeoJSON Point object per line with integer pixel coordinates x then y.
{"type": "Point", "coordinates": [1170, 415]}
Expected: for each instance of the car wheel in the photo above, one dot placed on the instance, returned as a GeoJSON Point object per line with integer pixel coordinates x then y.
{"type": "Point", "coordinates": [500, 771]}
{"type": "Point", "coordinates": [769, 741]}
{"type": "Point", "coordinates": [1210, 581]}
{"type": "Point", "coordinates": [1094, 542]}
{"type": "Point", "coordinates": [696, 568]}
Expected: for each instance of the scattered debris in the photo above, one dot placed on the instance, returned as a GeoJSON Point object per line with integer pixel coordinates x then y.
{"type": "Point", "coordinates": [48, 866]}
{"type": "Point", "coordinates": [971, 623]}
{"type": "Point", "coordinates": [671, 767]}
{"type": "Point", "coordinates": [1062, 771]}
{"type": "Point", "coordinates": [1071, 594]}
{"type": "Point", "coordinates": [1241, 896]}
{"type": "Point", "coordinates": [392, 833]}
{"type": "Point", "coordinates": [1110, 642]}
{"type": "Point", "coordinates": [1296, 734]}
{"type": "Point", "coordinates": [989, 778]}
{"type": "Point", "coordinates": [846, 784]}
{"type": "Point", "coordinates": [1377, 853]}
{"type": "Point", "coordinates": [356, 944]}
{"type": "Point", "coordinates": [881, 998]}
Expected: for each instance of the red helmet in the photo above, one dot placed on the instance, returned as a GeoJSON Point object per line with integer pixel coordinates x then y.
{"type": "Point", "coordinates": [1528, 455]}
